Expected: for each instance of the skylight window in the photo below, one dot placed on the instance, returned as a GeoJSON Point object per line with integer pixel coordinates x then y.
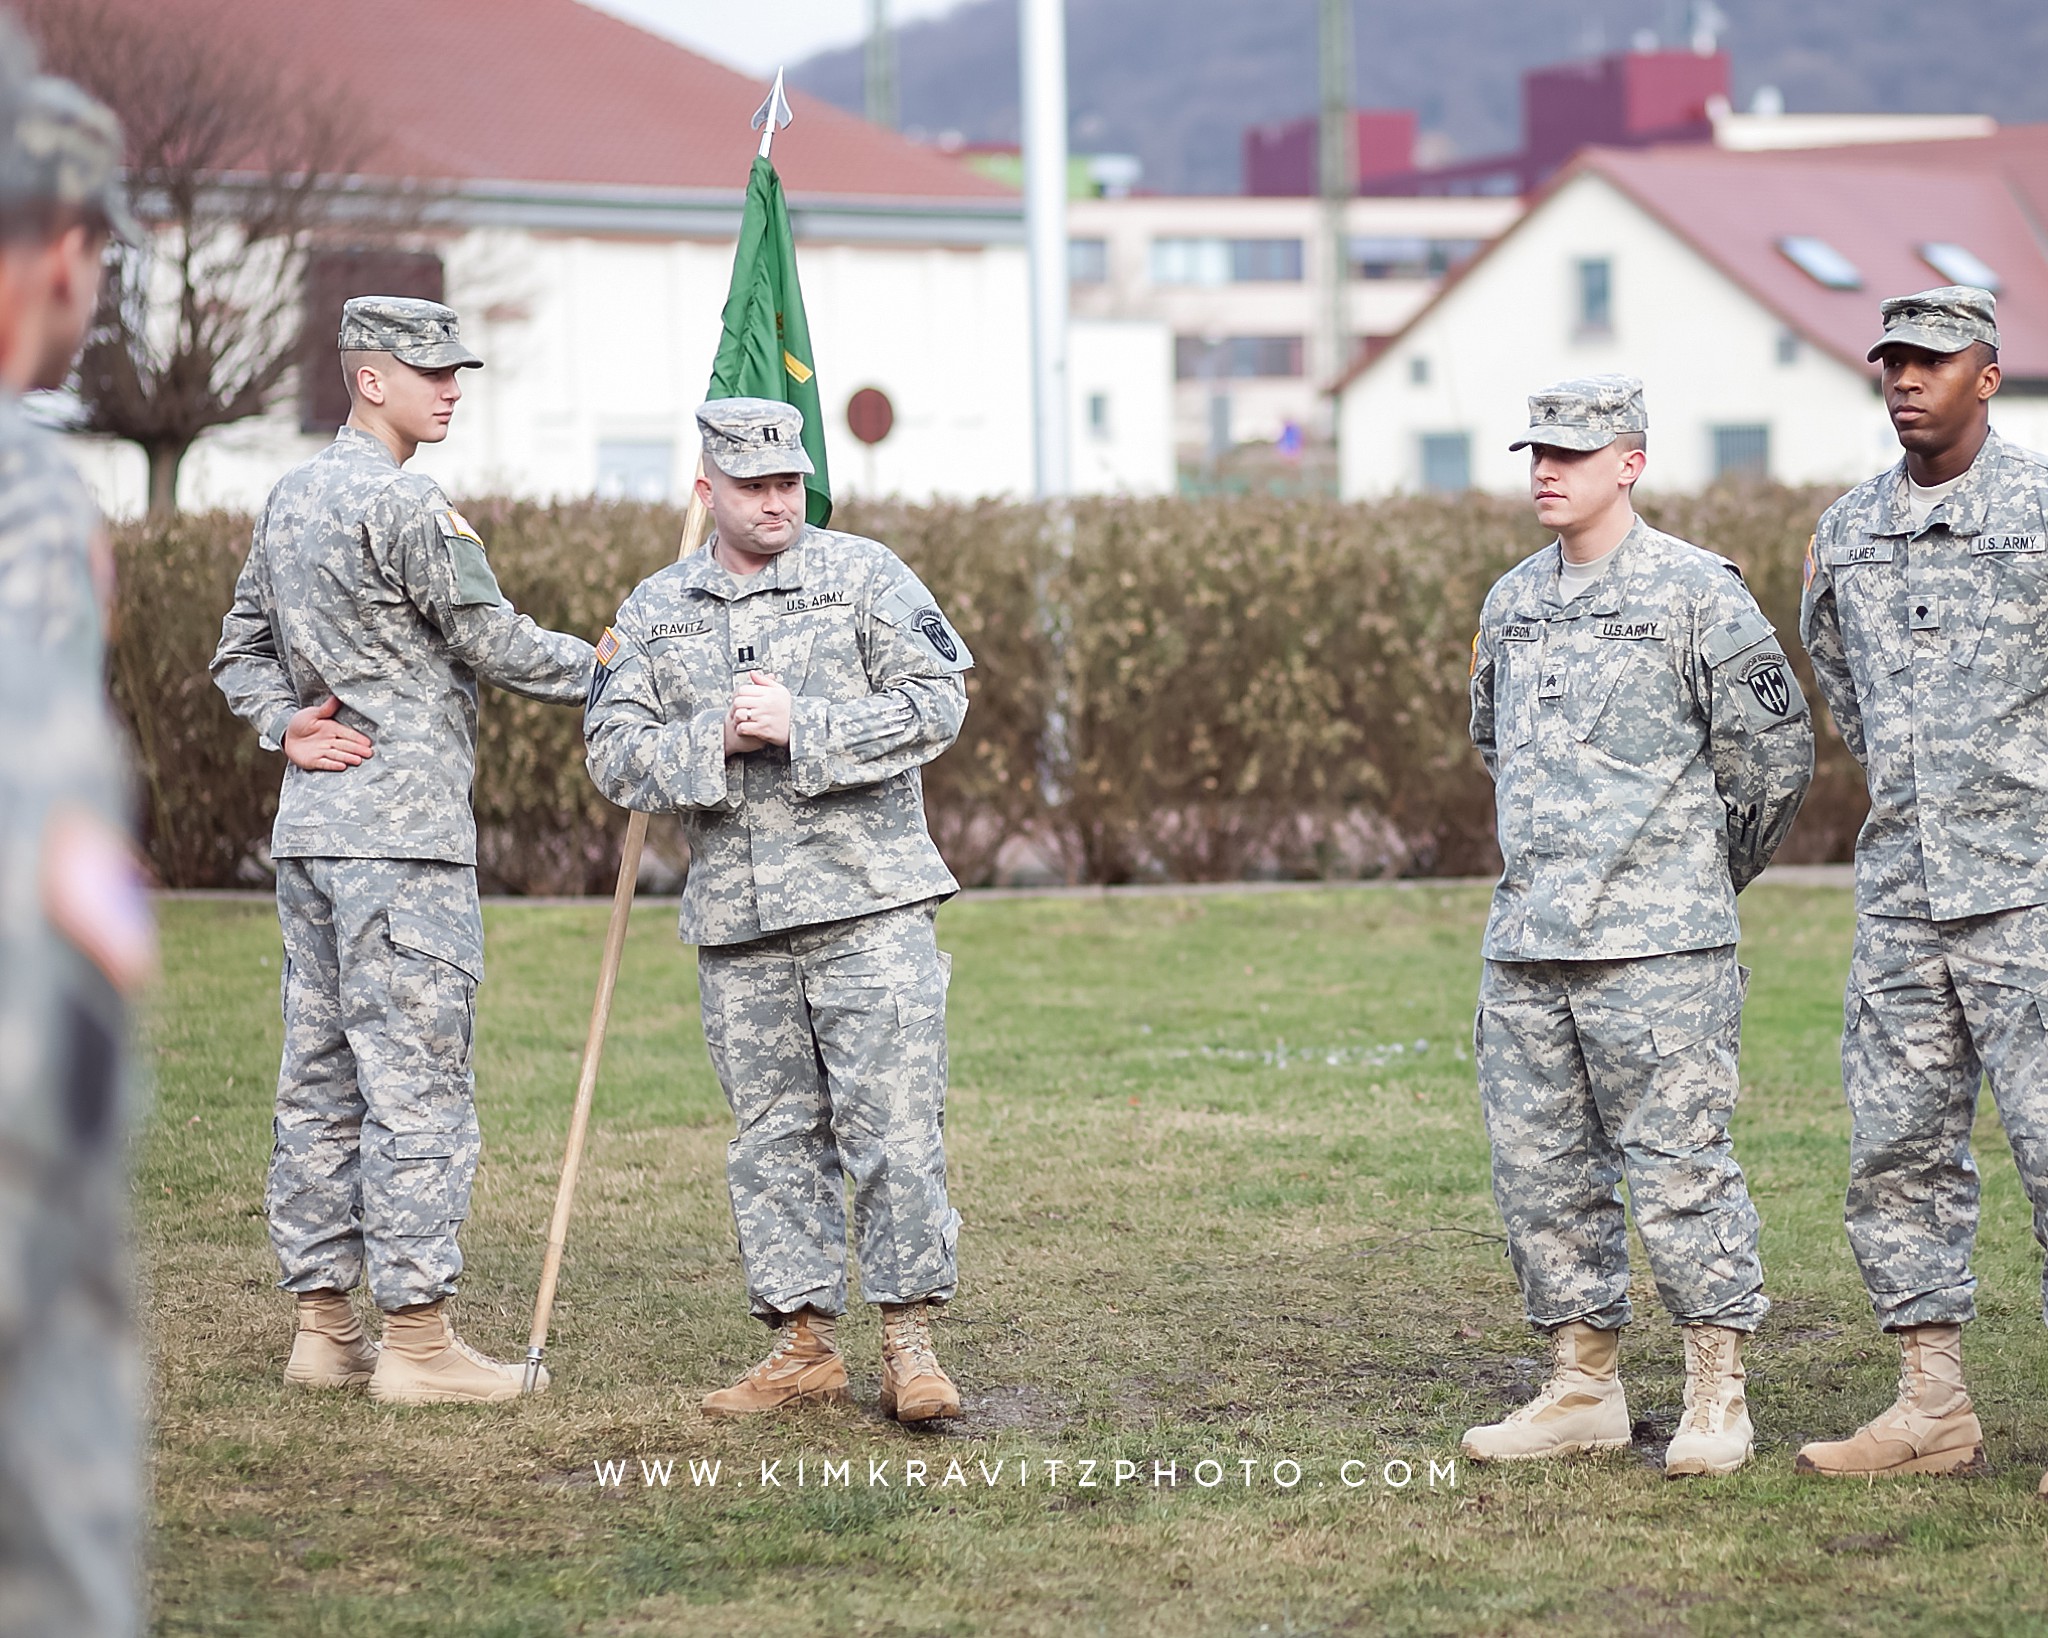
{"type": "Point", "coordinates": [1821, 262]}
{"type": "Point", "coordinates": [1960, 266]}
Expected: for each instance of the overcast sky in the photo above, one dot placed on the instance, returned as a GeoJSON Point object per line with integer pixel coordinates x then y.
{"type": "Point", "coordinates": [760, 36]}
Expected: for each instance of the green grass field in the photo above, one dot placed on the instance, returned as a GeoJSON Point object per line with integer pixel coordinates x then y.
{"type": "Point", "coordinates": [1224, 1180]}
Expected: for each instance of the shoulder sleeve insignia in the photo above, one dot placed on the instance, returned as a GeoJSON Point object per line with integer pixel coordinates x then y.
{"type": "Point", "coordinates": [1806, 572]}
{"type": "Point", "coordinates": [456, 526]}
{"type": "Point", "coordinates": [608, 647]}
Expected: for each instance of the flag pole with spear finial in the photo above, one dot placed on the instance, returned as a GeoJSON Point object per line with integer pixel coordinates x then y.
{"type": "Point", "coordinates": [772, 116]}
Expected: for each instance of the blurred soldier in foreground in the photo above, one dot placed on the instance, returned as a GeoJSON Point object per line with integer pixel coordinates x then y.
{"type": "Point", "coordinates": [1649, 749]}
{"type": "Point", "coordinates": [780, 689]}
{"type": "Point", "coordinates": [1925, 611]}
{"type": "Point", "coordinates": [363, 619]}
{"type": "Point", "coordinates": [75, 937]}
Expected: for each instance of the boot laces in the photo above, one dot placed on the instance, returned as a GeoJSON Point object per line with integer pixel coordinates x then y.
{"type": "Point", "coordinates": [1704, 1380]}
{"type": "Point", "coordinates": [786, 1337]}
{"type": "Point", "coordinates": [909, 1337]}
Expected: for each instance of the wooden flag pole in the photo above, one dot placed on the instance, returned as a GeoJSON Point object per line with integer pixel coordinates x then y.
{"type": "Point", "coordinates": [696, 527]}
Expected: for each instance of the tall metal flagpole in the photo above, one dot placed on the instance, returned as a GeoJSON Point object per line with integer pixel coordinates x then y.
{"type": "Point", "coordinates": [773, 116]}
{"type": "Point", "coordinates": [1337, 178]}
{"type": "Point", "coordinates": [1042, 28]}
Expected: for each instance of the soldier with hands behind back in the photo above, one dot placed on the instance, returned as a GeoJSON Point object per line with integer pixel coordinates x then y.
{"type": "Point", "coordinates": [364, 618]}
{"type": "Point", "coordinates": [780, 689]}
{"type": "Point", "coordinates": [1925, 606]}
{"type": "Point", "coordinates": [1649, 750]}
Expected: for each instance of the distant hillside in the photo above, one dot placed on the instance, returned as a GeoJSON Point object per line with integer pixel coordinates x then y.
{"type": "Point", "coordinates": [1175, 81]}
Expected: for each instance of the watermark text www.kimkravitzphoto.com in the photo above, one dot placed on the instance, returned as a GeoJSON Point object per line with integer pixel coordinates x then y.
{"type": "Point", "coordinates": [968, 1476]}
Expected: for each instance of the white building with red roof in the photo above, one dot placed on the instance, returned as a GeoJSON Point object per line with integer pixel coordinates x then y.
{"type": "Point", "coordinates": [1742, 287]}
{"type": "Point", "coordinates": [588, 179]}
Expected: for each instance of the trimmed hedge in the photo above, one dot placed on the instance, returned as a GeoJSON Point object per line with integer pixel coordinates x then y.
{"type": "Point", "coordinates": [1169, 689]}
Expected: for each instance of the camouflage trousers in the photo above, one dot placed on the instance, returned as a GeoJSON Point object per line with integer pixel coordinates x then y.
{"type": "Point", "coordinates": [1596, 1072]}
{"type": "Point", "coordinates": [1932, 1010]}
{"type": "Point", "coordinates": [71, 1378]}
{"type": "Point", "coordinates": [376, 1137]}
{"type": "Point", "coordinates": [830, 1043]}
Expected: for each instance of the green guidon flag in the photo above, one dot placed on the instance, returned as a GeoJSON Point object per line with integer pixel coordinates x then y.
{"type": "Point", "coordinates": [766, 349]}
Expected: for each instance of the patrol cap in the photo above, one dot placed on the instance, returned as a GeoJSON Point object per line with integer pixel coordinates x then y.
{"type": "Point", "coordinates": [1587, 412]}
{"type": "Point", "coordinates": [412, 330]}
{"type": "Point", "coordinates": [1945, 320]}
{"type": "Point", "coordinates": [753, 437]}
{"type": "Point", "coordinates": [65, 149]}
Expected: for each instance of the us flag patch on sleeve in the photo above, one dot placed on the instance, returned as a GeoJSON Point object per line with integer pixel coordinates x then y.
{"type": "Point", "coordinates": [608, 647]}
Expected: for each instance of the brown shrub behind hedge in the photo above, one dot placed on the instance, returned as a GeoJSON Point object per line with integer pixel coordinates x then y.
{"type": "Point", "coordinates": [1193, 690]}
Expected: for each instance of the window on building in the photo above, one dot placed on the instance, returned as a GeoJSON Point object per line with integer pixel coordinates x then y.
{"type": "Point", "coordinates": [1226, 261]}
{"type": "Point", "coordinates": [1098, 415]}
{"type": "Point", "coordinates": [1596, 296]}
{"type": "Point", "coordinates": [1088, 261]}
{"type": "Point", "coordinates": [1960, 266]}
{"type": "Point", "coordinates": [1236, 358]}
{"type": "Point", "coordinates": [1418, 370]}
{"type": "Point", "coordinates": [332, 277]}
{"type": "Point", "coordinates": [1265, 261]}
{"type": "Point", "coordinates": [1821, 262]}
{"type": "Point", "coordinates": [1446, 462]}
{"type": "Point", "coordinates": [639, 469]}
{"type": "Point", "coordinates": [1788, 346]}
{"type": "Point", "coordinates": [1742, 452]}
{"type": "Point", "coordinates": [1396, 257]}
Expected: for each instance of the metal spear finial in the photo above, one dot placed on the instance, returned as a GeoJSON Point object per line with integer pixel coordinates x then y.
{"type": "Point", "coordinates": [772, 115]}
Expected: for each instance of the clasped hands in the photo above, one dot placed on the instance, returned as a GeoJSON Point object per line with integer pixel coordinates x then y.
{"type": "Point", "coordinates": [758, 716]}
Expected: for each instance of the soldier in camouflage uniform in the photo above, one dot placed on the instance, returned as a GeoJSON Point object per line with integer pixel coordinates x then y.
{"type": "Point", "coordinates": [1926, 598]}
{"type": "Point", "coordinates": [364, 617]}
{"type": "Point", "coordinates": [75, 939]}
{"type": "Point", "coordinates": [780, 689]}
{"type": "Point", "coordinates": [1649, 749]}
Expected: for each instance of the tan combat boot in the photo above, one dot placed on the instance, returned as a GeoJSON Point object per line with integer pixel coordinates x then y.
{"type": "Point", "coordinates": [330, 1350]}
{"type": "Point", "coordinates": [914, 1389]}
{"type": "Point", "coordinates": [1714, 1435]}
{"type": "Point", "coordinates": [1581, 1407]}
{"type": "Point", "coordinates": [1930, 1427]}
{"type": "Point", "coordinates": [803, 1364]}
{"type": "Point", "coordinates": [425, 1363]}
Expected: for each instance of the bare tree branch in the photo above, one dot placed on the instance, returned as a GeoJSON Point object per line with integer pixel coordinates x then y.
{"type": "Point", "coordinates": [240, 168]}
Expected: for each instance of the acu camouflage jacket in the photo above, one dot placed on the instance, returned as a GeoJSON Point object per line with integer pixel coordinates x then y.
{"type": "Point", "coordinates": [831, 826]}
{"type": "Point", "coordinates": [1931, 650]}
{"type": "Point", "coordinates": [1649, 748]}
{"type": "Point", "coordinates": [364, 583]}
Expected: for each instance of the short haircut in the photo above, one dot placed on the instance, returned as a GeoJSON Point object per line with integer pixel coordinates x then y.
{"type": "Point", "coordinates": [1630, 443]}
{"type": "Point", "coordinates": [1985, 353]}
{"type": "Point", "coordinates": [354, 361]}
{"type": "Point", "coordinates": [36, 222]}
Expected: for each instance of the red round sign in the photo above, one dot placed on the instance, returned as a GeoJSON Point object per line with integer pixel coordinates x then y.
{"type": "Point", "coordinates": [870, 415]}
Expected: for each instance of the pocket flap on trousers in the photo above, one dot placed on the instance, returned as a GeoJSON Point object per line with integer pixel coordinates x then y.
{"type": "Point", "coordinates": [1690, 1031]}
{"type": "Point", "coordinates": [422, 1145]}
{"type": "Point", "coordinates": [411, 931]}
{"type": "Point", "coordinates": [912, 1009]}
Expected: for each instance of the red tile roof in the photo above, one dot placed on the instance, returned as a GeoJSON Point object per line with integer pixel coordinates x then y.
{"type": "Point", "coordinates": [551, 91]}
{"type": "Point", "coordinates": [2017, 154]}
{"type": "Point", "coordinates": [1734, 208]}
{"type": "Point", "coordinates": [1876, 206]}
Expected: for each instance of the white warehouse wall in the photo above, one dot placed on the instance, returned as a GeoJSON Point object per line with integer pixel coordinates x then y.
{"type": "Point", "coordinates": [591, 342]}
